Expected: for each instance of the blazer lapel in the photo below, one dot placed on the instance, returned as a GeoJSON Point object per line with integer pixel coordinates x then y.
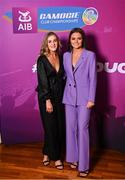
{"type": "Point", "coordinates": [82, 57]}
{"type": "Point", "coordinates": [70, 63]}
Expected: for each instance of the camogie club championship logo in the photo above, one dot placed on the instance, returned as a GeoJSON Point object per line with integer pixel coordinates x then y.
{"type": "Point", "coordinates": [31, 20]}
{"type": "Point", "coordinates": [65, 18]}
{"type": "Point", "coordinates": [90, 16]}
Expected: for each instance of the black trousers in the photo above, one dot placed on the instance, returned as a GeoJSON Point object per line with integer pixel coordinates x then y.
{"type": "Point", "coordinates": [54, 129]}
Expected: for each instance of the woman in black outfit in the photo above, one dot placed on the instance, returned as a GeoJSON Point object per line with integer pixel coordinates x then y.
{"type": "Point", "coordinates": [50, 91]}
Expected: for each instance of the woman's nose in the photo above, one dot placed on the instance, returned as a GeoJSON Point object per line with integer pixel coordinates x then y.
{"type": "Point", "coordinates": [53, 43]}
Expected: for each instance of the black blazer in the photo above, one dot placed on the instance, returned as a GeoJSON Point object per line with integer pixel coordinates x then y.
{"type": "Point", "coordinates": [50, 82]}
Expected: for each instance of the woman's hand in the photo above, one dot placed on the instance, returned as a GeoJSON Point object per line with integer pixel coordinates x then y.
{"type": "Point", "coordinates": [49, 106]}
{"type": "Point", "coordinates": [90, 104]}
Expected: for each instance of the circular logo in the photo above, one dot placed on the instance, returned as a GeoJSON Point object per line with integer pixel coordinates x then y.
{"type": "Point", "coordinates": [90, 16]}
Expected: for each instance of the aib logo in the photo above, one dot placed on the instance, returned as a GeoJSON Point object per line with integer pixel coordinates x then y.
{"type": "Point", "coordinates": [24, 20]}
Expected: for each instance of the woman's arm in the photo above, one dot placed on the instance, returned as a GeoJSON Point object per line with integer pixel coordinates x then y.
{"type": "Point", "coordinates": [43, 85]}
{"type": "Point", "coordinates": [93, 80]}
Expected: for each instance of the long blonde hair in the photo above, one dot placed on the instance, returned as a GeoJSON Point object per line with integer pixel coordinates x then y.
{"type": "Point", "coordinates": [44, 50]}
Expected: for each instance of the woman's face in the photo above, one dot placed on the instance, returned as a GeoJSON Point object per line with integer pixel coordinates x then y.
{"type": "Point", "coordinates": [76, 40]}
{"type": "Point", "coordinates": [52, 43]}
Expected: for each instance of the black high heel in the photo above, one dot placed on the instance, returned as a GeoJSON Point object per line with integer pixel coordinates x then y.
{"type": "Point", "coordinates": [59, 166]}
{"type": "Point", "coordinates": [83, 173]}
{"type": "Point", "coordinates": [46, 162]}
{"type": "Point", "coordinates": [73, 165]}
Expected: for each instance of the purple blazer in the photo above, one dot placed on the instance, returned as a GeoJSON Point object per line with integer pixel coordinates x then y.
{"type": "Point", "coordinates": [81, 82]}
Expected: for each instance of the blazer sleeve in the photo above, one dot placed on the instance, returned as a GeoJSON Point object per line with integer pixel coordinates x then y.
{"type": "Point", "coordinates": [43, 85]}
{"type": "Point", "coordinates": [92, 77]}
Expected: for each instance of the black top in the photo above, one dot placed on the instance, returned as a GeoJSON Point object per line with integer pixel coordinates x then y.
{"type": "Point", "coordinates": [50, 82]}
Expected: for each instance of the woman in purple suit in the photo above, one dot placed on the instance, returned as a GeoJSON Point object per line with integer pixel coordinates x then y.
{"type": "Point", "coordinates": [79, 97]}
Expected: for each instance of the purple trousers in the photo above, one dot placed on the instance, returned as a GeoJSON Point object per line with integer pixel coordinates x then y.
{"type": "Point", "coordinates": [77, 136]}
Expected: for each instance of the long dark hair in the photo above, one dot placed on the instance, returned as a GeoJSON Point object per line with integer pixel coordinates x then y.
{"type": "Point", "coordinates": [75, 30]}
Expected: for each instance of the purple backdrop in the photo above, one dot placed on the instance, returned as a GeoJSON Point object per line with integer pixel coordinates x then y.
{"type": "Point", "coordinates": [19, 116]}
